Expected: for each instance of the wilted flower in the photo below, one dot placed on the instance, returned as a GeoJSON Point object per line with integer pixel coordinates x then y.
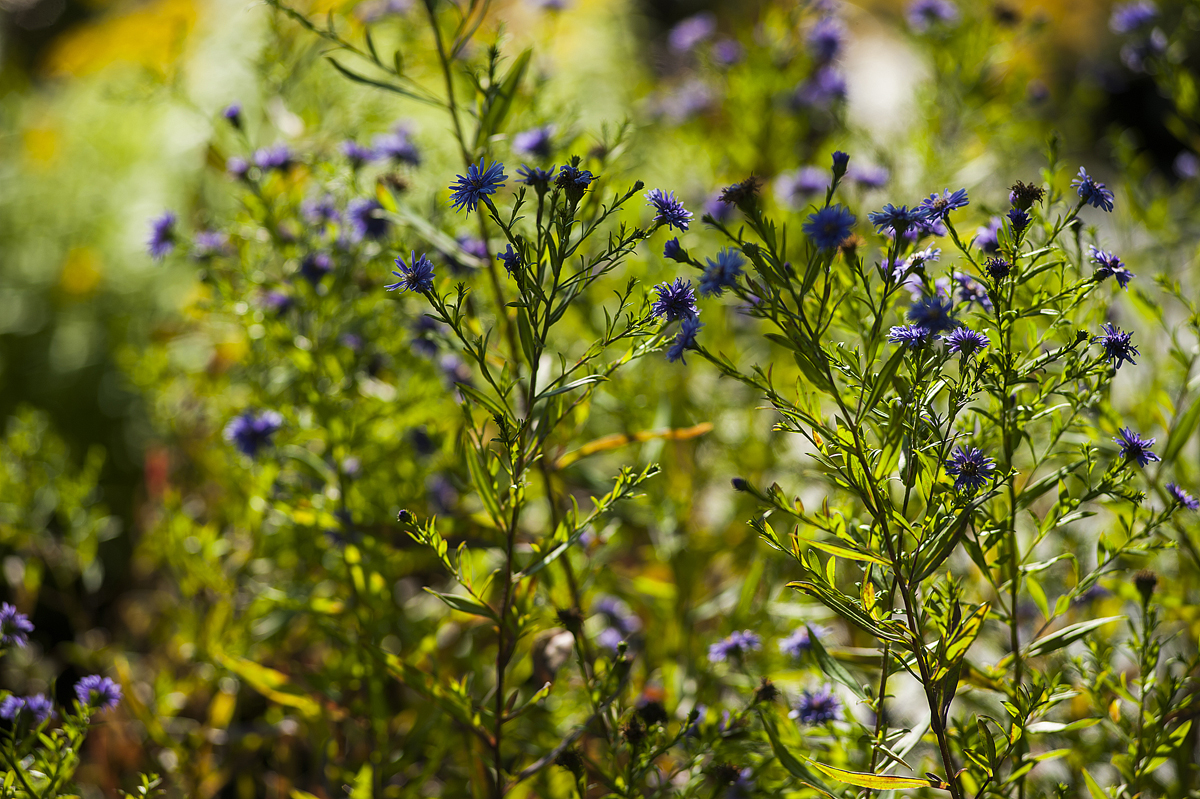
{"type": "Point", "coordinates": [479, 182]}
{"type": "Point", "coordinates": [1135, 448]}
{"type": "Point", "coordinates": [970, 468]}
{"type": "Point", "coordinates": [251, 431]}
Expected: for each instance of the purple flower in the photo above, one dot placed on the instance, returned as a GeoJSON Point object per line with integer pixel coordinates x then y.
{"type": "Point", "coordinates": [935, 314]}
{"type": "Point", "coordinates": [922, 257]}
{"type": "Point", "coordinates": [720, 211]}
{"type": "Point", "coordinates": [870, 177]}
{"type": "Point", "coordinates": [511, 259]}
{"type": "Point", "coordinates": [817, 707]}
{"type": "Point", "coordinates": [357, 154]}
{"type": "Point", "coordinates": [621, 622]}
{"type": "Point", "coordinates": [987, 238]}
{"type": "Point", "coordinates": [721, 273]}
{"type": "Point", "coordinates": [841, 161]}
{"type": "Point", "coordinates": [675, 301]}
{"type": "Point", "coordinates": [320, 210]}
{"type": "Point", "coordinates": [233, 114]}
{"type": "Point", "coordinates": [938, 206]}
{"type": "Point", "coordinates": [572, 178]}
{"type": "Point", "coordinates": [685, 339]}
{"type": "Point", "coordinates": [251, 431]}
{"type": "Point", "coordinates": [237, 166]}
{"type": "Point", "coordinates": [1136, 448]}
{"type": "Point", "coordinates": [925, 14]}
{"type": "Point", "coordinates": [11, 707]}
{"type": "Point", "coordinates": [690, 32]}
{"type": "Point", "coordinates": [1109, 265]}
{"type": "Point", "coordinates": [1018, 219]}
{"type": "Point", "coordinates": [966, 342]}
{"type": "Point", "coordinates": [727, 52]}
{"type": "Point", "coordinates": [162, 235]}
{"type": "Point", "coordinates": [398, 147]}
{"type": "Point", "coordinates": [278, 302]}
{"type": "Point", "coordinates": [997, 268]}
{"type": "Point", "coordinates": [910, 336]}
{"type": "Point", "coordinates": [830, 226]}
{"type": "Point", "coordinates": [794, 188]}
{"type": "Point", "coordinates": [1135, 54]}
{"type": "Point", "coordinates": [210, 243]}
{"type": "Point", "coordinates": [970, 468]}
{"type": "Point", "coordinates": [276, 157]}
{"type": "Point", "coordinates": [969, 291]}
{"type": "Point", "coordinates": [315, 266]}
{"type": "Point", "coordinates": [799, 642]}
{"type": "Point", "coordinates": [366, 221]}
{"type": "Point", "coordinates": [1187, 165]}
{"type": "Point", "coordinates": [735, 646]}
{"type": "Point", "coordinates": [896, 219]}
{"type": "Point", "coordinates": [416, 276]}
{"type": "Point", "coordinates": [537, 142]}
{"type": "Point", "coordinates": [670, 210]}
{"type": "Point", "coordinates": [1091, 192]}
{"type": "Point", "coordinates": [1117, 346]}
{"type": "Point", "coordinates": [15, 626]}
{"type": "Point", "coordinates": [1128, 17]}
{"type": "Point", "coordinates": [674, 251]}
{"type": "Point", "coordinates": [692, 97]}
{"type": "Point", "coordinates": [825, 87]}
{"type": "Point", "coordinates": [1182, 497]}
{"type": "Point", "coordinates": [479, 182]}
{"type": "Point", "coordinates": [825, 40]}
{"type": "Point", "coordinates": [40, 707]}
{"type": "Point", "coordinates": [98, 692]}
{"type": "Point", "coordinates": [536, 177]}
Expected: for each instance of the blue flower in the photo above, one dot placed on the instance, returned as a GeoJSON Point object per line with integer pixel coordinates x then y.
{"type": "Point", "coordinates": [40, 707]}
{"type": "Point", "coordinates": [717, 209]}
{"type": "Point", "coordinates": [825, 40]}
{"type": "Point", "coordinates": [366, 221]}
{"type": "Point", "coordinates": [11, 707]}
{"type": "Point", "coordinates": [728, 52]}
{"type": "Point", "coordinates": [675, 301]}
{"type": "Point", "coordinates": [162, 235]}
{"type": "Point", "coordinates": [536, 177]}
{"type": "Point", "coordinates": [924, 14]}
{"type": "Point", "coordinates": [817, 707]}
{"type": "Point", "coordinates": [670, 210]}
{"type": "Point", "coordinates": [1182, 497]}
{"type": "Point", "coordinates": [830, 226]}
{"type": "Point", "coordinates": [398, 147]}
{"type": "Point", "coordinates": [987, 238]}
{"type": "Point", "coordinates": [1117, 346]}
{"type": "Point", "coordinates": [971, 469]}
{"type": "Point", "coordinates": [794, 188]}
{"type": "Point", "coordinates": [1129, 17]}
{"type": "Point", "coordinates": [621, 622]}
{"type": "Point", "coordinates": [840, 163]}
{"type": "Point", "coordinates": [1018, 219]}
{"type": "Point", "coordinates": [896, 219]}
{"type": "Point", "coordinates": [416, 277]}
{"type": "Point", "coordinates": [251, 431]}
{"type": "Point", "coordinates": [278, 302]}
{"type": "Point", "coordinates": [1109, 265]}
{"type": "Point", "coordinates": [690, 32]}
{"type": "Point", "coordinates": [571, 177]}
{"type": "Point", "coordinates": [964, 341]}
{"type": "Point", "coordinates": [233, 114]}
{"type": "Point", "coordinates": [969, 291]}
{"type": "Point", "coordinates": [1136, 448]}
{"type": "Point", "coordinates": [356, 153]}
{"type": "Point", "coordinates": [320, 210]}
{"type": "Point", "coordinates": [922, 257]}
{"type": "Point", "coordinates": [722, 273]}
{"type": "Point", "coordinates": [736, 645]}
{"type": "Point", "coordinates": [937, 207]}
{"type": "Point", "coordinates": [276, 157]}
{"type": "Point", "coordinates": [870, 177]}
{"type": "Point", "coordinates": [511, 259]}
{"type": "Point", "coordinates": [98, 692]}
{"type": "Point", "coordinates": [935, 314]}
{"type": "Point", "coordinates": [911, 336]}
{"type": "Point", "coordinates": [825, 87]}
{"type": "Point", "coordinates": [685, 339]}
{"type": "Point", "coordinates": [538, 142]}
{"type": "Point", "coordinates": [674, 251]}
{"type": "Point", "coordinates": [15, 626]}
{"type": "Point", "coordinates": [469, 191]}
{"type": "Point", "coordinates": [1091, 192]}
{"type": "Point", "coordinates": [315, 266]}
{"type": "Point", "coordinates": [997, 268]}
{"type": "Point", "coordinates": [210, 243]}
{"type": "Point", "coordinates": [799, 642]}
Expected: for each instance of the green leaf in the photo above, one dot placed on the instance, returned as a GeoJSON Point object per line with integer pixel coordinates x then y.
{"type": "Point", "coordinates": [272, 684]}
{"type": "Point", "coordinates": [482, 480]}
{"type": "Point", "coordinates": [500, 105]}
{"type": "Point", "coordinates": [464, 604]}
{"type": "Point", "coordinates": [1093, 787]}
{"type": "Point", "coordinates": [882, 381]}
{"type": "Point", "coordinates": [786, 758]}
{"type": "Point", "coordinates": [362, 783]}
{"type": "Point", "coordinates": [875, 781]}
{"type": "Point", "coordinates": [844, 552]}
{"type": "Point", "coordinates": [831, 668]}
{"type": "Point", "coordinates": [1066, 636]}
{"type": "Point", "coordinates": [1182, 431]}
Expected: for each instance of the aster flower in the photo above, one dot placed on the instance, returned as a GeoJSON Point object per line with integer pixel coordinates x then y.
{"type": "Point", "coordinates": [1117, 346]}
{"type": "Point", "coordinates": [537, 142]}
{"type": "Point", "coordinates": [622, 623]}
{"type": "Point", "coordinates": [690, 32]}
{"type": "Point", "coordinates": [536, 177]}
{"type": "Point", "coordinates": [357, 154]}
{"type": "Point", "coordinates": [969, 291]}
{"type": "Point", "coordinates": [511, 259]}
{"type": "Point", "coordinates": [162, 235]}
{"type": "Point", "coordinates": [210, 243]}
{"type": "Point", "coordinates": [825, 39]}
{"type": "Point", "coordinates": [817, 707]}
{"type": "Point", "coordinates": [315, 266]}
{"type": "Point", "coordinates": [274, 158]}
{"type": "Point", "coordinates": [719, 211]}
{"type": "Point", "coordinates": [795, 187]}
{"type": "Point", "coordinates": [997, 268]}
{"type": "Point", "coordinates": [741, 192]}
{"type": "Point", "coordinates": [278, 302]}
{"type": "Point", "coordinates": [1182, 497]}
{"type": "Point", "coordinates": [415, 276]}
{"type": "Point", "coordinates": [1091, 192]}
{"type": "Point", "coordinates": [935, 314]}
{"type": "Point", "coordinates": [15, 626]}
{"type": "Point", "coordinates": [1109, 265]}
{"type": "Point", "coordinates": [870, 177]}
{"type": "Point", "coordinates": [966, 342]}
{"type": "Point", "coordinates": [896, 219]}
{"type": "Point", "coordinates": [233, 114]}
{"type": "Point", "coordinates": [938, 206]}
{"type": "Point", "coordinates": [1018, 219]}
{"type": "Point", "coordinates": [670, 210]}
{"type": "Point", "coordinates": [925, 14]}
{"type": "Point", "coordinates": [98, 692]}
{"type": "Point", "coordinates": [471, 245]}
{"type": "Point", "coordinates": [970, 468]}
{"type": "Point", "coordinates": [841, 161]}
{"type": "Point", "coordinates": [571, 176]}
{"type": "Point", "coordinates": [398, 147]}
{"type": "Point", "coordinates": [1129, 17]}
{"type": "Point", "coordinates": [40, 707]}
{"type": "Point", "coordinates": [987, 238]}
{"type": "Point", "coordinates": [366, 221]}
{"type": "Point", "coordinates": [674, 251]}
{"type": "Point", "coordinates": [721, 273]}
{"type": "Point", "coordinates": [728, 52]}
{"type": "Point", "coordinates": [320, 210]}
{"type": "Point", "coordinates": [251, 431]}
{"type": "Point", "coordinates": [237, 166]}
{"type": "Point", "coordinates": [11, 707]}
{"type": "Point", "coordinates": [1186, 166]}
{"type": "Point", "coordinates": [799, 642]}
{"type": "Point", "coordinates": [735, 646]}
{"type": "Point", "coordinates": [922, 257]}
{"type": "Point", "coordinates": [676, 300]}
{"type": "Point", "coordinates": [830, 226]}
{"type": "Point", "coordinates": [692, 97]}
{"type": "Point", "coordinates": [685, 339]}
{"type": "Point", "coordinates": [823, 88]}
{"type": "Point", "coordinates": [479, 182]}
{"type": "Point", "coordinates": [1135, 448]}
{"type": "Point", "coordinates": [910, 336]}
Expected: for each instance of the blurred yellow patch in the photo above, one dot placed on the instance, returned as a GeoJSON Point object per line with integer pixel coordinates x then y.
{"type": "Point", "coordinates": [226, 354]}
{"type": "Point", "coordinates": [152, 36]}
{"type": "Point", "coordinates": [81, 272]}
{"type": "Point", "coordinates": [41, 144]}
